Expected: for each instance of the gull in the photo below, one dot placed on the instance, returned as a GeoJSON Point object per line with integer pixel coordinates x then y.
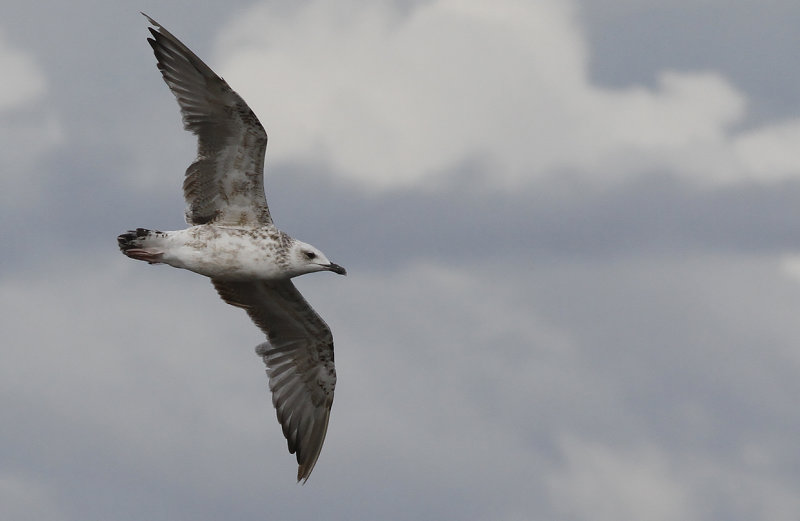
{"type": "Point", "coordinates": [232, 240]}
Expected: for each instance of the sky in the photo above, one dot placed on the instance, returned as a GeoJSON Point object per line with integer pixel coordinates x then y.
{"type": "Point", "coordinates": [572, 236]}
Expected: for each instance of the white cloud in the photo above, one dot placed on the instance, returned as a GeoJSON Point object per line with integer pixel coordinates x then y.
{"type": "Point", "coordinates": [26, 130]}
{"type": "Point", "coordinates": [607, 483]}
{"type": "Point", "coordinates": [23, 80]}
{"type": "Point", "coordinates": [790, 266]}
{"type": "Point", "coordinates": [600, 483]}
{"type": "Point", "coordinates": [770, 153]}
{"type": "Point", "coordinates": [391, 98]}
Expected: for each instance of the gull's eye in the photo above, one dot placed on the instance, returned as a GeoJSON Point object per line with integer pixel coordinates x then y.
{"type": "Point", "coordinates": [310, 254]}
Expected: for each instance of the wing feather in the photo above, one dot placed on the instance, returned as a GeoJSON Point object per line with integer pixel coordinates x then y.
{"type": "Point", "coordinates": [299, 359]}
{"type": "Point", "coordinates": [225, 184]}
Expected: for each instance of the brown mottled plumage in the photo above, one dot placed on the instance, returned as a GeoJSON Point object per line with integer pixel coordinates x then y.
{"type": "Point", "coordinates": [233, 240]}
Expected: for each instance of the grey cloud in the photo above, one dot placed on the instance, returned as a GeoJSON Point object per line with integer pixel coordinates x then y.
{"type": "Point", "coordinates": [747, 41]}
{"type": "Point", "coordinates": [500, 355]}
{"type": "Point", "coordinates": [651, 215]}
{"type": "Point", "coordinates": [461, 387]}
{"type": "Point", "coordinates": [560, 218]}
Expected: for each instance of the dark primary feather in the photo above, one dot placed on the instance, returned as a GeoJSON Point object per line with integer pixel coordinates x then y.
{"type": "Point", "coordinates": [299, 359]}
{"type": "Point", "coordinates": [225, 184]}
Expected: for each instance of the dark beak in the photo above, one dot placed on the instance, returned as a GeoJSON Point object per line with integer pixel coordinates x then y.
{"type": "Point", "coordinates": [336, 269]}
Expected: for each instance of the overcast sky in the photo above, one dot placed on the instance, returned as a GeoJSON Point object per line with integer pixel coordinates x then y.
{"type": "Point", "coordinates": [572, 233]}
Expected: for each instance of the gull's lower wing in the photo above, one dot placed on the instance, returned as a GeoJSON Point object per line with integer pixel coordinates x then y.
{"type": "Point", "coordinates": [299, 358]}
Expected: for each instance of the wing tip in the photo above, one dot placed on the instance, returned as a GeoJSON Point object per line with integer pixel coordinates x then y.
{"type": "Point", "coordinates": [150, 19]}
{"type": "Point", "coordinates": [316, 440]}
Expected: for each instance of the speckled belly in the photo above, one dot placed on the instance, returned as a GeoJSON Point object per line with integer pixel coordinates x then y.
{"type": "Point", "coordinates": [228, 253]}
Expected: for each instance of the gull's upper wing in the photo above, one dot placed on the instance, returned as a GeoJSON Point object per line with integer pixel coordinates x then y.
{"type": "Point", "coordinates": [299, 358]}
{"type": "Point", "coordinates": [225, 184]}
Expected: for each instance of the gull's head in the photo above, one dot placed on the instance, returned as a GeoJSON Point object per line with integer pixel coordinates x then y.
{"type": "Point", "coordinates": [304, 258]}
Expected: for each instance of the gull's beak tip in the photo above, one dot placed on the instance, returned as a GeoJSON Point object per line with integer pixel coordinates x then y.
{"type": "Point", "coordinates": [337, 269]}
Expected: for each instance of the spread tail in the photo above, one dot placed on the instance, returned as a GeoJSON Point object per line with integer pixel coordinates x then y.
{"type": "Point", "coordinates": [134, 244]}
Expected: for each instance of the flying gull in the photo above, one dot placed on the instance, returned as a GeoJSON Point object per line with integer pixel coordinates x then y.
{"type": "Point", "coordinates": [232, 240]}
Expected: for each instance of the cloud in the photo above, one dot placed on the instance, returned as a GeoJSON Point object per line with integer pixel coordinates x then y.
{"type": "Point", "coordinates": [606, 483]}
{"type": "Point", "coordinates": [602, 345]}
{"type": "Point", "coordinates": [27, 130]}
{"type": "Point", "coordinates": [393, 98]}
{"type": "Point", "coordinates": [24, 498]}
{"type": "Point", "coordinates": [23, 80]}
{"type": "Point", "coordinates": [599, 483]}
{"type": "Point", "coordinates": [770, 153]}
{"type": "Point", "coordinates": [463, 390]}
